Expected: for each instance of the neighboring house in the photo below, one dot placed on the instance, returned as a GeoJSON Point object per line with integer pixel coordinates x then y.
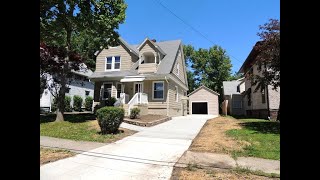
{"type": "Point", "coordinates": [80, 85]}
{"type": "Point", "coordinates": [150, 75]}
{"type": "Point", "coordinates": [258, 104]}
{"type": "Point", "coordinates": [203, 101]}
{"type": "Point", "coordinates": [232, 92]}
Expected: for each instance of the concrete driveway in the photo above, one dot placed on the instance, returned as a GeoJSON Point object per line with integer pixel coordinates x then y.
{"type": "Point", "coordinates": [148, 154]}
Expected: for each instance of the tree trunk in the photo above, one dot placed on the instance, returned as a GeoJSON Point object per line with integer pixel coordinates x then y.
{"type": "Point", "coordinates": [59, 115]}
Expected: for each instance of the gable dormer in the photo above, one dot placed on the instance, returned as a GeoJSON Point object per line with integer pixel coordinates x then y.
{"type": "Point", "coordinates": [150, 56]}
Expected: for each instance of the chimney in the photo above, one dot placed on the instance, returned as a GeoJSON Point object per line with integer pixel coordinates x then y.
{"type": "Point", "coordinates": [154, 40]}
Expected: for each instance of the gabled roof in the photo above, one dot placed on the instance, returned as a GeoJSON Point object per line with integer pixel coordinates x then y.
{"type": "Point", "coordinates": [154, 44]}
{"type": "Point", "coordinates": [131, 48]}
{"type": "Point", "coordinates": [203, 87]}
{"type": "Point", "coordinates": [251, 59]}
{"type": "Point", "coordinates": [230, 87]}
{"type": "Point", "coordinates": [166, 64]}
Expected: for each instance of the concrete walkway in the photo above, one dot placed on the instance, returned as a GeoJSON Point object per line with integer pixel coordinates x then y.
{"type": "Point", "coordinates": [149, 154]}
{"type": "Point", "coordinates": [224, 161]}
{"type": "Point", "coordinates": [74, 146]}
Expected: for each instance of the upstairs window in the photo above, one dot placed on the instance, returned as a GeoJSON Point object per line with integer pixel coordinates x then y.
{"type": "Point", "coordinates": [113, 63]}
{"type": "Point", "coordinates": [238, 88]}
{"type": "Point", "coordinates": [87, 93]}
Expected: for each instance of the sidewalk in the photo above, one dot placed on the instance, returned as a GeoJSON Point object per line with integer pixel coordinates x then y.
{"type": "Point", "coordinates": [74, 146]}
{"type": "Point", "coordinates": [224, 161]}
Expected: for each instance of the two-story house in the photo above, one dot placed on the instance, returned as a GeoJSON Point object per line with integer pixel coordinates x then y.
{"type": "Point", "coordinates": [150, 75]}
{"type": "Point", "coordinates": [260, 104]}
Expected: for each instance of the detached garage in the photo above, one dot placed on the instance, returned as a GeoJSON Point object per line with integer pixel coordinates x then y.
{"type": "Point", "coordinates": [203, 101]}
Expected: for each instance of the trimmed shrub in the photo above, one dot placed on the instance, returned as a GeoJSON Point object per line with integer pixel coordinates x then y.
{"type": "Point", "coordinates": [111, 101]}
{"type": "Point", "coordinates": [67, 102]}
{"type": "Point", "coordinates": [109, 119]}
{"type": "Point", "coordinates": [88, 103]}
{"type": "Point", "coordinates": [77, 102]}
{"type": "Point", "coordinates": [134, 113]}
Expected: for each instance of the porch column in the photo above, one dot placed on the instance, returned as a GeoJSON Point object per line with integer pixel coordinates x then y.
{"type": "Point", "coordinates": [155, 58]}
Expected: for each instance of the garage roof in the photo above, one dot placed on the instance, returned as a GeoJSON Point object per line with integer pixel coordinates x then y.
{"type": "Point", "coordinates": [203, 87]}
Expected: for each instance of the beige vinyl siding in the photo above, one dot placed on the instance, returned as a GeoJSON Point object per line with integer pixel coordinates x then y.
{"type": "Point", "coordinates": [126, 58]}
{"type": "Point", "coordinates": [203, 95]}
{"type": "Point", "coordinates": [175, 108]}
{"type": "Point", "coordinates": [155, 104]}
{"type": "Point", "coordinates": [148, 67]}
{"type": "Point", "coordinates": [274, 98]}
{"type": "Point", "coordinates": [182, 69]}
{"type": "Point", "coordinates": [256, 97]}
{"type": "Point", "coordinates": [147, 47]}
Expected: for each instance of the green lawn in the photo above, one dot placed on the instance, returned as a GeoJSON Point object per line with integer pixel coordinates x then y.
{"type": "Point", "coordinates": [263, 135]}
{"type": "Point", "coordinates": [81, 127]}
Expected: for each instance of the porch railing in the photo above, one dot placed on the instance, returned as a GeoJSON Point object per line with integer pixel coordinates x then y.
{"type": "Point", "coordinates": [138, 98]}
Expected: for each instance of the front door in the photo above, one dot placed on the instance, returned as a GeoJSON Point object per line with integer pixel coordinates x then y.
{"type": "Point", "coordinates": [138, 88]}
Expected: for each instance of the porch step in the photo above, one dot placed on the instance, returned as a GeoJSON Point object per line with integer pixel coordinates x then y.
{"type": "Point", "coordinates": [126, 108]}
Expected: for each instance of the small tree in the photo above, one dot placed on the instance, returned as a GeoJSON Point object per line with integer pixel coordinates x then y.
{"type": "Point", "coordinates": [88, 103]}
{"type": "Point", "coordinates": [77, 103]}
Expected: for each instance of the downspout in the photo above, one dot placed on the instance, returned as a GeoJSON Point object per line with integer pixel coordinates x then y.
{"type": "Point", "coordinates": [167, 95]}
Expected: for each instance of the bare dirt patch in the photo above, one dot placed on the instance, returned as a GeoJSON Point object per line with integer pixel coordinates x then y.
{"type": "Point", "coordinates": [205, 174]}
{"type": "Point", "coordinates": [50, 155]}
{"type": "Point", "coordinates": [212, 137]}
{"type": "Point", "coordinates": [148, 118]}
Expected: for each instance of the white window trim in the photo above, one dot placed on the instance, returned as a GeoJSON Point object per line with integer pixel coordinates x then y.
{"type": "Point", "coordinates": [153, 90]}
{"type": "Point", "coordinates": [134, 87]}
{"type": "Point", "coordinates": [117, 88]}
{"type": "Point", "coordinates": [177, 91]}
{"type": "Point", "coordinates": [112, 63]}
{"type": "Point", "coordinates": [104, 89]}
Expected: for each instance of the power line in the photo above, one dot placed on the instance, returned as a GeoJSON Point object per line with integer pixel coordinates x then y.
{"type": "Point", "coordinates": [194, 29]}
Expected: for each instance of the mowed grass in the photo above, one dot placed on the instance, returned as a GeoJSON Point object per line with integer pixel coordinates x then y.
{"type": "Point", "coordinates": [263, 136]}
{"type": "Point", "coordinates": [80, 127]}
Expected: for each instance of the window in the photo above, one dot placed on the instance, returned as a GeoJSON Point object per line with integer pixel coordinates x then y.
{"type": "Point", "coordinates": [238, 88]}
{"type": "Point", "coordinates": [178, 69]}
{"type": "Point", "coordinates": [87, 93]}
{"type": "Point", "coordinates": [263, 96]}
{"type": "Point", "coordinates": [119, 85]}
{"type": "Point", "coordinates": [176, 94]}
{"type": "Point", "coordinates": [117, 62]}
{"type": "Point", "coordinates": [109, 63]}
{"type": "Point", "coordinates": [158, 89]}
{"type": "Point", "coordinates": [68, 90]}
{"type": "Point", "coordinates": [107, 87]}
{"type": "Point", "coordinates": [248, 93]}
{"type": "Point", "coordinates": [113, 63]}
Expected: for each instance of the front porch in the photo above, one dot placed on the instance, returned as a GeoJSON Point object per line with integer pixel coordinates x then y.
{"type": "Point", "coordinates": [133, 92]}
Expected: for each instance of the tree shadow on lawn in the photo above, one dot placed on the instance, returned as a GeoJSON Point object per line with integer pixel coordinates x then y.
{"type": "Point", "coordinates": [266, 127]}
{"type": "Point", "coordinates": [73, 118]}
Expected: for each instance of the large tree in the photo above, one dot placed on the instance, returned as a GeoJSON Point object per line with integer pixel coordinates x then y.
{"type": "Point", "coordinates": [211, 67]}
{"type": "Point", "coordinates": [63, 20]}
{"type": "Point", "coordinates": [268, 57]}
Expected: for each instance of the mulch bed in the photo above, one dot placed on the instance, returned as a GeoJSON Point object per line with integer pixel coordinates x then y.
{"type": "Point", "coordinates": [147, 120]}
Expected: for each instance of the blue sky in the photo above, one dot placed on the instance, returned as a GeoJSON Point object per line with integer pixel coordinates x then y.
{"type": "Point", "coordinates": [232, 24]}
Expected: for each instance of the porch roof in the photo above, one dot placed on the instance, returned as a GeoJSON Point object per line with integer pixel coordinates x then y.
{"type": "Point", "coordinates": [132, 79]}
